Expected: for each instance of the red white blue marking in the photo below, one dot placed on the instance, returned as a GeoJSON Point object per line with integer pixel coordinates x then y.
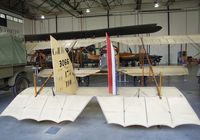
{"type": "Point", "coordinates": [111, 62]}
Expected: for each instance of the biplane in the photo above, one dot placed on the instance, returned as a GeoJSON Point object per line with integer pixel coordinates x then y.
{"type": "Point", "coordinates": [124, 57]}
{"type": "Point", "coordinates": [131, 71]}
{"type": "Point", "coordinates": [76, 35]}
{"type": "Point", "coordinates": [126, 106]}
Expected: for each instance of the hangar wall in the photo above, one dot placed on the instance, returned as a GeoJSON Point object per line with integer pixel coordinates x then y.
{"type": "Point", "coordinates": [181, 22]}
{"type": "Point", "coordinates": [12, 24]}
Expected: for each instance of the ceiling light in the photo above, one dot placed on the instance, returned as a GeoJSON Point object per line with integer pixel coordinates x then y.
{"type": "Point", "coordinates": [42, 17]}
{"type": "Point", "coordinates": [87, 10]}
{"type": "Point", "coordinates": [156, 5]}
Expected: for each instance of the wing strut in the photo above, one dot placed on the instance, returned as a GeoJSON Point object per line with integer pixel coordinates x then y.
{"type": "Point", "coordinates": [158, 86]}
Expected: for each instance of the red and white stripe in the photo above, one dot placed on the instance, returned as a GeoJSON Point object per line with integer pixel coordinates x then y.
{"type": "Point", "coordinates": [111, 63]}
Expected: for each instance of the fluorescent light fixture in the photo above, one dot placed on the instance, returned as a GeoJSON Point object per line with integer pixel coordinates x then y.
{"type": "Point", "coordinates": [156, 5]}
{"type": "Point", "coordinates": [42, 17]}
{"type": "Point", "coordinates": [87, 10]}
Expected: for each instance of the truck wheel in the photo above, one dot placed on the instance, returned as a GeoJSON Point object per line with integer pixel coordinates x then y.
{"type": "Point", "coordinates": [198, 80]}
{"type": "Point", "coordinates": [21, 83]}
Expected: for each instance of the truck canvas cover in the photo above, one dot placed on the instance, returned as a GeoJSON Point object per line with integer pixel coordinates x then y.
{"type": "Point", "coordinates": [12, 50]}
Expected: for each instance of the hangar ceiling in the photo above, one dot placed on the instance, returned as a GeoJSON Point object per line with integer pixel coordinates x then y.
{"type": "Point", "coordinates": [77, 8]}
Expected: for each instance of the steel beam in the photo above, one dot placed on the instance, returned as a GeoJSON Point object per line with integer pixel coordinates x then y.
{"type": "Point", "coordinates": [168, 23]}
{"type": "Point", "coordinates": [105, 4]}
{"type": "Point", "coordinates": [42, 4]}
{"type": "Point", "coordinates": [108, 18]}
{"type": "Point", "coordinates": [62, 7]}
{"type": "Point", "coordinates": [138, 4]}
{"type": "Point", "coordinates": [169, 2]}
{"type": "Point", "coordinates": [55, 6]}
{"type": "Point", "coordinates": [73, 7]}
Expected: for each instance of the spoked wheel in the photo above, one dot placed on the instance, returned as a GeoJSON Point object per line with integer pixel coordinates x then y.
{"type": "Point", "coordinates": [84, 81]}
{"type": "Point", "coordinates": [21, 83]}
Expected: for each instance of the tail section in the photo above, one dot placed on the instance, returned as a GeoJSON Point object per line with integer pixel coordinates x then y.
{"type": "Point", "coordinates": [64, 77]}
{"type": "Point", "coordinates": [111, 62]}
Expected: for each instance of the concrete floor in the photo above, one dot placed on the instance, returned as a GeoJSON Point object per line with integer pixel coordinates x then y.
{"type": "Point", "coordinates": [91, 124]}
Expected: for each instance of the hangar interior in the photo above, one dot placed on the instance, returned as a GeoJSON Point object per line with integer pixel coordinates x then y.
{"type": "Point", "coordinates": [156, 46]}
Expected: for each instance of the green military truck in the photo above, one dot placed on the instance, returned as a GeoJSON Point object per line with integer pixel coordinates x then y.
{"type": "Point", "coordinates": [13, 73]}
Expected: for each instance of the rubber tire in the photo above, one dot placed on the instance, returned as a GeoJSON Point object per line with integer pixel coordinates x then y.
{"type": "Point", "coordinates": [198, 80]}
{"type": "Point", "coordinates": [18, 87]}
